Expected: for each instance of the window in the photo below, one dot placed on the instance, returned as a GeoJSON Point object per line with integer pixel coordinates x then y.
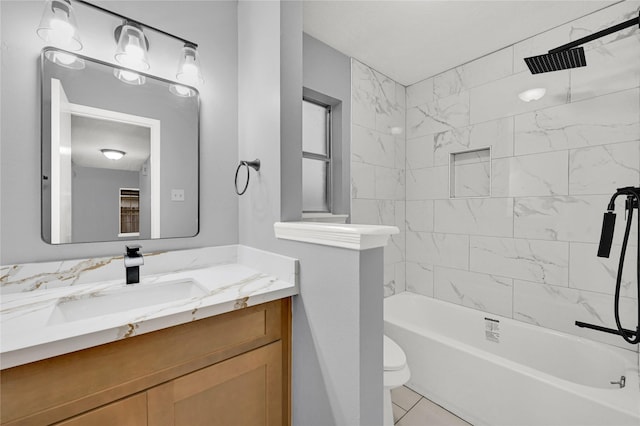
{"type": "Point", "coordinates": [129, 212]}
{"type": "Point", "coordinates": [316, 156]}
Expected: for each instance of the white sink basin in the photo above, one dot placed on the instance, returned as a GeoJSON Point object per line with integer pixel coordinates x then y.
{"type": "Point", "coordinates": [131, 297]}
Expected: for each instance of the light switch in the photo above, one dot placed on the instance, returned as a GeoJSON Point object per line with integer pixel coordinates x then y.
{"type": "Point", "coordinates": [177, 195]}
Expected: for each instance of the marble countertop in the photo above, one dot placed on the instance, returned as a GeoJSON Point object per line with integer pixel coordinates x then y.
{"type": "Point", "coordinates": [29, 331]}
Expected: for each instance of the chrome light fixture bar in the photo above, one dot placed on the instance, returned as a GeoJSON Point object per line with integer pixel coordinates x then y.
{"type": "Point", "coordinates": [58, 27]}
{"type": "Point", "coordinates": [133, 21]}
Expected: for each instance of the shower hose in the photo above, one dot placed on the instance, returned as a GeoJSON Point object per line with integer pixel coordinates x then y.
{"type": "Point", "coordinates": [633, 199]}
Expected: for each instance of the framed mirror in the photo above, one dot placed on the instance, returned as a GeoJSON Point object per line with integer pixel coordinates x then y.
{"type": "Point", "coordinates": [119, 153]}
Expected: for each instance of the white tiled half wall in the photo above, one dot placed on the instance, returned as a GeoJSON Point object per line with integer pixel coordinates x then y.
{"type": "Point", "coordinates": [529, 251]}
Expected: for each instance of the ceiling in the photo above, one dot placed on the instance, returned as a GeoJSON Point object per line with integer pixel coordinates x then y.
{"type": "Point", "coordinates": [90, 135]}
{"type": "Point", "coordinates": [413, 40]}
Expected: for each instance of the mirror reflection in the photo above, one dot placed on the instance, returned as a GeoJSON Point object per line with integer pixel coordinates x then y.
{"type": "Point", "coordinates": [119, 156]}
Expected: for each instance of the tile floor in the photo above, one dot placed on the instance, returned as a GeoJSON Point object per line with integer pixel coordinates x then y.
{"type": "Point", "coordinates": [412, 409]}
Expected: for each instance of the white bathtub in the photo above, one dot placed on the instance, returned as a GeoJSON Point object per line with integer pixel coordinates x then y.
{"type": "Point", "coordinates": [515, 374]}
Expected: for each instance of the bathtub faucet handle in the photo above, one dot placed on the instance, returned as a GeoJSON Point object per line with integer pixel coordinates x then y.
{"type": "Point", "coordinates": [621, 382]}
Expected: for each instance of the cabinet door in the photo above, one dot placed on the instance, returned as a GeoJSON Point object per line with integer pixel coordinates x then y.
{"type": "Point", "coordinates": [131, 411]}
{"type": "Point", "coordinates": [244, 390]}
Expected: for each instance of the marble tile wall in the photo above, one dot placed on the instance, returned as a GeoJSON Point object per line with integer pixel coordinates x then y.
{"type": "Point", "coordinates": [378, 163]}
{"type": "Point", "coordinates": [529, 251]}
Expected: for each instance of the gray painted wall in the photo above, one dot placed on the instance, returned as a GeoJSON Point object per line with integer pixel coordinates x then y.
{"type": "Point", "coordinates": [337, 318]}
{"type": "Point", "coordinates": [95, 202]}
{"type": "Point", "coordinates": [327, 72]}
{"type": "Point", "coordinates": [212, 24]}
{"type": "Point", "coordinates": [259, 119]}
{"type": "Point", "coordinates": [270, 116]}
{"type": "Point", "coordinates": [337, 336]}
{"type": "Point", "coordinates": [371, 328]}
{"type": "Point", "coordinates": [291, 110]}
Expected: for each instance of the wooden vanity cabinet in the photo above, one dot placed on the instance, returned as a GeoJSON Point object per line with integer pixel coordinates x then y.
{"type": "Point", "coordinates": [231, 369]}
{"type": "Point", "coordinates": [128, 411]}
{"type": "Point", "coordinates": [243, 390]}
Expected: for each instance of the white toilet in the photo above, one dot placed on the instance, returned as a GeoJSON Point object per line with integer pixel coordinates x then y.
{"type": "Point", "coordinates": [396, 374]}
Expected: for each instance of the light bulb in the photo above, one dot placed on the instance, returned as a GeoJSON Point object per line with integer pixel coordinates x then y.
{"type": "Point", "coordinates": [132, 48]}
{"type": "Point", "coordinates": [65, 58]}
{"type": "Point", "coordinates": [182, 91]}
{"type": "Point", "coordinates": [189, 66]}
{"type": "Point", "coordinates": [129, 77]}
{"type": "Point", "coordinates": [58, 25]}
{"type": "Point", "coordinates": [190, 69]}
{"type": "Point", "coordinates": [61, 31]}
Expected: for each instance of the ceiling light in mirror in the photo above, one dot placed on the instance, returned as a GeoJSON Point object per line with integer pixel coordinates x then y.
{"type": "Point", "coordinates": [132, 47]}
{"type": "Point", "coordinates": [113, 154]}
{"type": "Point", "coordinates": [58, 25]}
{"type": "Point", "coordinates": [129, 77]}
{"type": "Point", "coordinates": [189, 66]}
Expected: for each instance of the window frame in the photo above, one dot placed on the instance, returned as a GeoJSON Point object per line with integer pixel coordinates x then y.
{"type": "Point", "coordinates": [327, 159]}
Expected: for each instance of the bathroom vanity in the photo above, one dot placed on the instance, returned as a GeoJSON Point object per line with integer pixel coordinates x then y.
{"type": "Point", "coordinates": [226, 369]}
{"type": "Point", "coordinates": [220, 357]}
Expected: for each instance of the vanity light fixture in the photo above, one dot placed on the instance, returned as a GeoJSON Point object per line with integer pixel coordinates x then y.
{"type": "Point", "coordinates": [58, 25]}
{"type": "Point", "coordinates": [113, 154]}
{"type": "Point", "coordinates": [132, 46]}
{"type": "Point", "coordinates": [189, 66]}
{"type": "Point", "coordinates": [532, 94]}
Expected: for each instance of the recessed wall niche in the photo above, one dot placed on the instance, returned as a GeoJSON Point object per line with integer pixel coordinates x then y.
{"type": "Point", "coordinates": [470, 173]}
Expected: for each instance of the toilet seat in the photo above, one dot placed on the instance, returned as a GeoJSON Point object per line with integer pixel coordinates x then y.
{"type": "Point", "coordinates": [394, 379]}
{"type": "Point", "coordinates": [394, 357]}
{"type": "Point", "coordinates": [396, 373]}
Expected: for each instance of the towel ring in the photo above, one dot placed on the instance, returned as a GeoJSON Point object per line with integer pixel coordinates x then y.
{"type": "Point", "coordinates": [255, 164]}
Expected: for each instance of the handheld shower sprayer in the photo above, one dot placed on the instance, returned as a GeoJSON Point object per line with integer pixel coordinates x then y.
{"type": "Point", "coordinates": [606, 236]}
{"type": "Point", "coordinates": [604, 249]}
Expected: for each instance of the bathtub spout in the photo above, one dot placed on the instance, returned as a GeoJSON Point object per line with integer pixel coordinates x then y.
{"type": "Point", "coordinates": [607, 330]}
{"type": "Point", "coordinates": [620, 382]}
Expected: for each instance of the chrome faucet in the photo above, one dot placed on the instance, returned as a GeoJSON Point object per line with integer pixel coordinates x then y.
{"type": "Point", "coordinates": [132, 261]}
